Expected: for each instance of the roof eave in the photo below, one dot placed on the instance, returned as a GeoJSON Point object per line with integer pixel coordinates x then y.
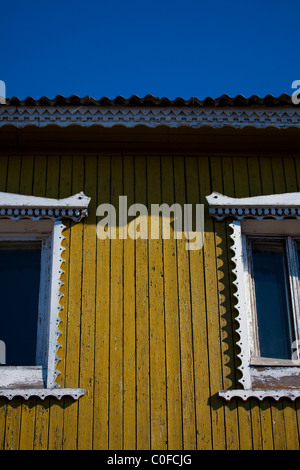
{"type": "Point", "coordinates": [151, 116]}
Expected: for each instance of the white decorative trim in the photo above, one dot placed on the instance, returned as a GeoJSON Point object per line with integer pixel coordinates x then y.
{"type": "Point", "coordinates": [238, 259]}
{"type": "Point", "coordinates": [41, 393]}
{"type": "Point", "coordinates": [55, 305]}
{"type": "Point", "coordinates": [277, 206]}
{"type": "Point", "coordinates": [292, 394]}
{"type": "Point", "coordinates": [249, 373]}
{"type": "Point", "coordinates": [23, 217]}
{"type": "Point", "coordinates": [171, 116]}
{"type": "Point", "coordinates": [285, 208]}
{"type": "Point", "coordinates": [16, 206]}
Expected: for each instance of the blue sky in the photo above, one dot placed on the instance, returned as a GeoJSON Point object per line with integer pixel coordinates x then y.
{"type": "Point", "coordinates": [160, 47]}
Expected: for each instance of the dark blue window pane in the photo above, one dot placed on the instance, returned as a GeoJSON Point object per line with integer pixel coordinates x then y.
{"type": "Point", "coordinates": [298, 251]}
{"type": "Point", "coordinates": [275, 330]}
{"type": "Point", "coordinates": [19, 293]}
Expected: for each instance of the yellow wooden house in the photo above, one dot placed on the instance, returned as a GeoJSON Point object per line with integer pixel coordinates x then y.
{"type": "Point", "coordinates": [149, 273]}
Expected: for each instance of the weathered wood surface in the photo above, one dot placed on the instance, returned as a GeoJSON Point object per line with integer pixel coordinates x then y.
{"type": "Point", "coordinates": [148, 327]}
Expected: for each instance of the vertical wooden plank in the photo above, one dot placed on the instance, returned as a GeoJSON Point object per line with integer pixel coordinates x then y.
{"type": "Point", "coordinates": [291, 427]}
{"type": "Point", "coordinates": [267, 184]}
{"type": "Point", "coordinates": [241, 186]}
{"type": "Point", "coordinates": [297, 172]}
{"type": "Point", "coordinates": [74, 314]}
{"type": "Point", "coordinates": [116, 316]}
{"type": "Point", "coordinates": [222, 180]}
{"type": "Point", "coordinates": [3, 172]}
{"type": "Point", "coordinates": [26, 179]}
{"type": "Point", "coordinates": [41, 424]}
{"type": "Point", "coordinates": [142, 318]}
{"type": "Point", "coordinates": [28, 407]}
{"type": "Point", "coordinates": [129, 319]}
{"type": "Point", "coordinates": [27, 424]}
{"type": "Point", "coordinates": [196, 174]}
{"type": "Point", "coordinates": [266, 175]}
{"type": "Point", "coordinates": [254, 176]}
{"type": "Point", "coordinates": [12, 425]}
{"type": "Point", "coordinates": [212, 301]}
{"type": "Point", "coordinates": [157, 320]}
{"type": "Point", "coordinates": [13, 408]}
{"type": "Point", "coordinates": [173, 371]}
{"type": "Point", "coordinates": [266, 425]}
{"type": "Point", "coordinates": [102, 333]}
{"type": "Point", "coordinates": [290, 173]}
{"type": "Point", "coordinates": [185, 319]}
{"type": "Point", "coordinates": [13, 174]}
{"type": "Point", "coordinates": [85, 421]}
{"type": "Point", "coordinates": [278, 175]}
{"type": "Point", "coordinates": [2, 422]}
{"type": "Point", "coordinates": [56, 177]}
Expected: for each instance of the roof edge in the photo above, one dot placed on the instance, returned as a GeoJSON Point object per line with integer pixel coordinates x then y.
{"type": "Point", "coordinates": [150, 100]}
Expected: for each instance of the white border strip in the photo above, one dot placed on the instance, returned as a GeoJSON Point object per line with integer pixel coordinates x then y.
{"type": "Point", "coordinates": [278, 206]}
{"type": "Point", "coordinates": [242, 330]}
{"type": "Point", "coordinates": [16, 206]}
{"type": "Point", "coordinates": [292, 394]}
{"type": "Point", "coordinates": [55, 306]}
{"type": "Point", "coordinates": [130, 116]}
{"type": "Point", "coordinates": [42, 393]}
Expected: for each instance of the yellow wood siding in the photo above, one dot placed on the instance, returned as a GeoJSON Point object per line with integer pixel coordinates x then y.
{"type": "Point", "coordinates": [148, 326]}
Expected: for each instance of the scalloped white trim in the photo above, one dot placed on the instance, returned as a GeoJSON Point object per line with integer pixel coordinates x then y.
{"type": "Point", "coordinates": [129, 116]}
{"type": "Point", "coordinates": [17, 206]}
{"type": "Point", "coordinates": [42, 393]}
{"type": "Point", "coordinates": [292, 394]}
{"type": "Point", "coordinates": [55, 307]}
{"type": "Point", "coordinates": [277, 206]}
{"type": "Point", "coordinates": [239, 294]}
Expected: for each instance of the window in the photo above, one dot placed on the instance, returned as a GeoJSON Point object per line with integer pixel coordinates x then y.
{"type": "Point", "coordinates": [273, 279]}
{"type": "Point", "coordinates": [31, 232]}
{"type": "Point", "coordinates": [266, 243]}
{"type": "Point", "coordinates": [20, 266]}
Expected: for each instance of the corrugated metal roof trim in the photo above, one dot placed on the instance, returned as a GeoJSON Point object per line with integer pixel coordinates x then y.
{"type": "Point", "coordinates": [150, 100]}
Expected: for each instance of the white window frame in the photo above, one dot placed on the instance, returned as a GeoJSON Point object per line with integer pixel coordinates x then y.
{"type": "Point", "coordinates": [26, 218]}
{"type": "Point", "coordinates": [271, 230]}
{"type": "Point", "coordinates": [272, 215]}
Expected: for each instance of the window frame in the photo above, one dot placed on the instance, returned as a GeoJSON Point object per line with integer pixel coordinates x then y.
{"type": "Point", "coordinates": [31, 218]}
{"type": "Point", "coordinates": [292, 272]}
{"type": "Point", "coordinates": [35, 374]}
{"type": "Point", "coordinates": [272, 215]}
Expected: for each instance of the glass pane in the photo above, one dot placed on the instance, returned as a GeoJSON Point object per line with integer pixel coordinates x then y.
{"type": "Point", "coordinates": [19, 293]}
{"type": "Point", "coordinates": [275, 329]}
{"type": "Point", "coordinates": [298, 251]}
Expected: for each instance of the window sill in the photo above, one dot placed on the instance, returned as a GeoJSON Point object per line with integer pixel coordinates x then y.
{"type": "Point", "coordinates": [292, 394]}
{"type": "Point", "coordinates": [270, 362]}
{"type": "Point", "coordinates": [41, 393]}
